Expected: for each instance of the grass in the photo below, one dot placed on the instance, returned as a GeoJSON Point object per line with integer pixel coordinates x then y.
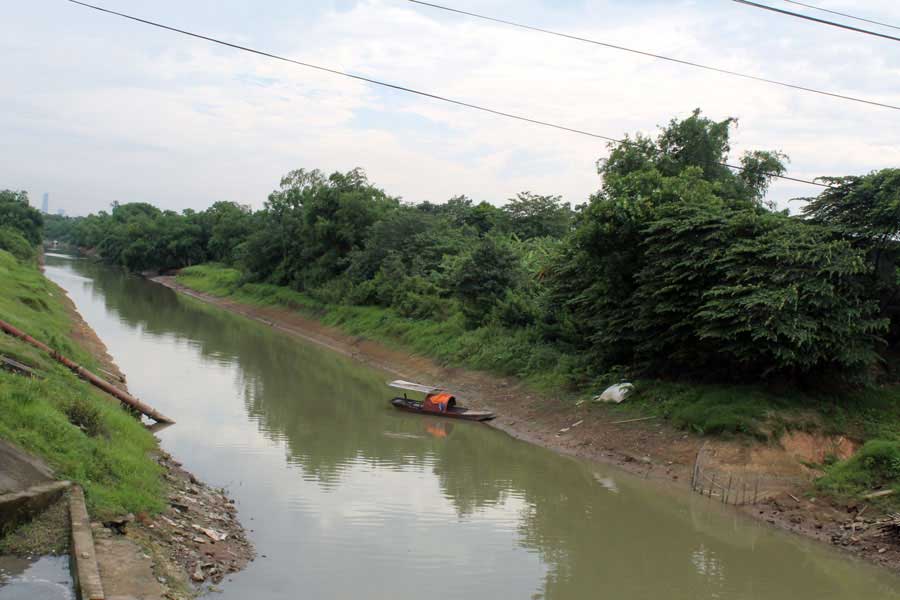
{"type": "Point", "coordinates": [876, 466]}
{"type": "Point", "coordinates": [105, 449]}
{"type": "Point", "coordinates": [491, 348]}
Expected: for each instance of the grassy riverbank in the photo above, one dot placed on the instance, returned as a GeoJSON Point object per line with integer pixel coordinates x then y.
{"type": "Point", "coordinates": [83, 434]}
{"type": "Point", "coordinates": [869, 415]}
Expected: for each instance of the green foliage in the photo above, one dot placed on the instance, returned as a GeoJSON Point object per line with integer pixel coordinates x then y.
{"type": "Point", "coordinates": [519, 352]}
{"type": "Point", "coordinates": [708, 295]}
{"type": "Point", "coordinates": [15, 243]}
{"type": "Point", "coordinates": [17, 214]}
{"type": "Point", "coordinates": [710, 409]}
{"type": "Point", "coordinates": [86, 416]}
{"type": "Point", "coordinates": [875, 466]}
{"type": "Point", "coordinates": [676, 267]}
{"type": "Point", "coordinates": [481, 277]}
{"type": "Point", "coordinates": [59, 228]}
{"type": "Point", "coordinates": [535, 216]}
{"type": "Point", "coordinates": [865, 211]}
{"type": "Point", "coordinates": [319, 222]}
{"type": "Point", "coordinates": [228, 224]}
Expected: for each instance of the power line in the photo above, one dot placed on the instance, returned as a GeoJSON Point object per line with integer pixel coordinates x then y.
{"type": "Point", "coordinates": [817, 20]}
{"type": "Point", "coordinates": [403, 88]}
{"type": "Point", "coordinates": [834, 12]}
{"type": "Point", "coordinates": [657, 56]}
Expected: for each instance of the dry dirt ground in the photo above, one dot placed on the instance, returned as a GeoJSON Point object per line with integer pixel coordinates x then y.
{"type": "Point", "coordinates": [647, 448]}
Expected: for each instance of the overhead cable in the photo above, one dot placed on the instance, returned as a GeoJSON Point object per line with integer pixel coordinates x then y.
{"type": "Point", "coordinates": [840, 14]}
{"type": "Point", "coordinates": [656, 56]}
{"type": "Point", "coordinates": [404, 88]}
{"type": "Point", "coordinates": [817, 20]}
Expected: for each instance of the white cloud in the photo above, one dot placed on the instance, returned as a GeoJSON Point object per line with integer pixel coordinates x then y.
{"type": "Point", "coordinates": [113, 111]}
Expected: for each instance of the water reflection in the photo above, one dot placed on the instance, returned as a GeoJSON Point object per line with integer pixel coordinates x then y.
{"type": "Point", "coordinates": [44, 578]}
{"type": "Point", "coordinates": [349, 498]}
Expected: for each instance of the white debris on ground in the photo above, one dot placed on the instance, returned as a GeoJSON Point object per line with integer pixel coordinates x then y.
{"type": "Point", "coordinates": [615, 394]}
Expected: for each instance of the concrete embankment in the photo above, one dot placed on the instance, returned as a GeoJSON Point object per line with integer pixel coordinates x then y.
{"type": "Point", "coordinates": [27, 486]}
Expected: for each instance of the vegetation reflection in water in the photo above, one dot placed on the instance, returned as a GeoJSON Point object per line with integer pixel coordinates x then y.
{"type": "Point", "coordinates": [348, 498]}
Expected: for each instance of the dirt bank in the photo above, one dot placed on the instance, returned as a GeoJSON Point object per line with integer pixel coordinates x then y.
{"type": "Point", "coordinates": [197, 540]}
{"type": "Point", "coordinates": [647, 448]}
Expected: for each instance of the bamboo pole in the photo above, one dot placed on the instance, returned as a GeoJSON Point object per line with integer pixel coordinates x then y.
{"type": "Point", "coordinates": [124, 397]}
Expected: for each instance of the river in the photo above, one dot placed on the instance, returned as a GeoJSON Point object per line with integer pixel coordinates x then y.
{"type": "Point", "coordinates": [345, 497]}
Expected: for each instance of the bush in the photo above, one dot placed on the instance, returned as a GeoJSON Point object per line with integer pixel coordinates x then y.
{"type": "Point", "coordinates": [876, 465]}
{"type": "Point", "coordinates": [85, 416]}
{"type": "Point", "coordinates": [15, 243]}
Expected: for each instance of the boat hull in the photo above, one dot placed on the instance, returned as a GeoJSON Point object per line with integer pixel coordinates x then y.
{"type": "Point", "coordinates": [456, 412]}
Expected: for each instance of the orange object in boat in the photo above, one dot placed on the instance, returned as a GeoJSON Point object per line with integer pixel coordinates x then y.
{"type": "Point", "coordinates": [439, 402]}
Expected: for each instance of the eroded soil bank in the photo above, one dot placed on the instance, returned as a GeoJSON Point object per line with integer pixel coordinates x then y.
{"type": "Point", "coordinates": [647, 448]}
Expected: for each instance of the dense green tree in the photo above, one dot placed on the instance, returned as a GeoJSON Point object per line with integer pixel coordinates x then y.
{"type": "Point", "coordinates": [865, 210]}
{"type": "Point", "coordinates": [748, 293]}
{"type": "Point", "coordinates": [676, 267]}
{"type": "Point", "coordinates": [533, 216]}
{"type": "Point", "coordinates": [225, 225]}
{"type": "Point", "coordinates": [12, 241]}
{"type": "Point", "coordinates": [321, 221]}
{"type": "Point", "coordinates": [16, 213]}
{"type": "Point", "coordinates": [481, 277]}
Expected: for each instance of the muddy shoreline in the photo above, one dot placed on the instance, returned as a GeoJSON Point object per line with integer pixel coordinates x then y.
{"type": "Point", "coordinates": [191, 545]}
{"type": "Point", "coordinates": [649, 449]}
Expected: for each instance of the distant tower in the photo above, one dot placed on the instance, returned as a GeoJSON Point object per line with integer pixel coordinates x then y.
{"type": "Point", "coordinates": [45, 205]}
{"type": "Point", "coordinates": [61, 212]}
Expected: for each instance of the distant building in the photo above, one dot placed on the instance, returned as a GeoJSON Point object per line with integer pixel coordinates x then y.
{"type": "Point", "coordinates": [45, 205]}
{"type": "Point", "coordinates": [61, 212]}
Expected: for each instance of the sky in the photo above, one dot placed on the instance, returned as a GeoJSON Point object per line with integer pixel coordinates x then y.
{"type": "Point", "coordinates": [96, 109]}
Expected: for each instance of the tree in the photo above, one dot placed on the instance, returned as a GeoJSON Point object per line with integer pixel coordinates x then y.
{"type": "Point", "coordinates": [532, 216]}
{"type": "Point", "coordinates": [322, 221]}
{"type": "Point", "coordinates": [635, 168]}
{"type": "Point", "coordinates": [16, 213]}
{"type": "Point", "coordinates": [229, 225]}
{"type": "Point", "coordinates": [708, 299]}
{"type": "Point", "coordinates": [671, 269]}
{"type": "Point", "coordinates": [865, 210]}
{"type": "Point", "coordinates": [481, 277]}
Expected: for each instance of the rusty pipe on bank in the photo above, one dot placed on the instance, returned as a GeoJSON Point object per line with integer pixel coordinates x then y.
{"type": "Point", "coordinates": [110, 389]}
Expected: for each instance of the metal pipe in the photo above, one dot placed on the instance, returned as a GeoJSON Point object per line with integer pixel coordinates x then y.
{"type": "Point", "coordinates": [110, 389]}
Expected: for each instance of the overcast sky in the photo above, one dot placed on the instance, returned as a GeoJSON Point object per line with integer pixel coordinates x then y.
{"type": "Point", "coordinates": [97, 109]}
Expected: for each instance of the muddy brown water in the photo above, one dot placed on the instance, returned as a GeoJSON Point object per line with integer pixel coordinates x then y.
{"type": "Point", "coordinates": [348, 498]}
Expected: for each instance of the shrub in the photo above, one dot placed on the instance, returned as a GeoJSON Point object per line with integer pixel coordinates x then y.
{"type": "Point", "coordinates": [876, 465]}
{"type": "Point", "coordinates": [84, 415]}
{"type": "Point", "coordinates": [15, 243]}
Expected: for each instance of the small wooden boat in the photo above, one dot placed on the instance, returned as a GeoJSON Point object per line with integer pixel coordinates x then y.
{"type": "Point", "coordinates": [437, 403]}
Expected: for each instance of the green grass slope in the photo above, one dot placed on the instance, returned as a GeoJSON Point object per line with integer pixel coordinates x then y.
{"type": "Point", "coordinates": [81, 432]}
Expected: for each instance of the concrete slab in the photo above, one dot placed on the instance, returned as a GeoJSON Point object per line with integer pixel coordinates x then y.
{"type": "Point", "coordinates": [20, 470]}
{"type": "Point", "coordinates": [126, 571]}
{"type": "Point", "coordinates": [86, 574]}
{"type": "Point", "coordinates": [17, 507]}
